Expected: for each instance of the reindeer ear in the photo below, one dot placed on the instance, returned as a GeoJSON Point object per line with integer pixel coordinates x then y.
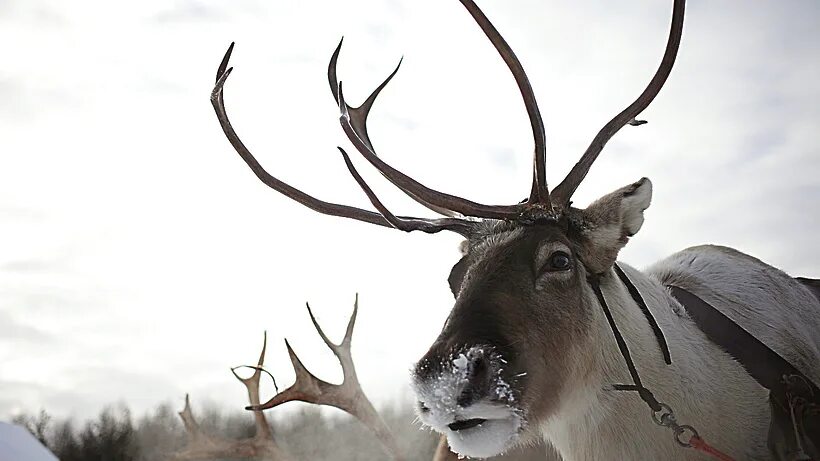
{"type": "Point", "coordinates": [610, 221]}
{"type": "Point", "coordinates": [457, 276]}
{"type": "Point", "coordinates": [459, 270]}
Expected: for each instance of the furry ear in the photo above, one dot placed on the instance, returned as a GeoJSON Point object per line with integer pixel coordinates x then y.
{"type": "Point", "coordinates": [610, 221]}
{"type": "Point", "coordinates": [459, 270]}
{"type": "Point", "coordinates": [457, 276]}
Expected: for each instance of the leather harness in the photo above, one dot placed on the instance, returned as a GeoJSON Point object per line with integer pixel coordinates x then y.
{"type": "Point", "coordinates": [794, 398]}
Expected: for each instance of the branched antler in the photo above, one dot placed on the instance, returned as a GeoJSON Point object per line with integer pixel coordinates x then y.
{"type": "Point", "coordinates": [460, 226]}
{"type": "Point", "coordinates": [347, 396]}
{"type": "Point", "coordinates": [204, 446]}
{"type": "Point", "coordinates": [541, 206]}
{"type": "Point", "coordinates": [563, 192]}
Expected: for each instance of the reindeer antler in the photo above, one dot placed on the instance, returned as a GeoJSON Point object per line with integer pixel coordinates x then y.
{"type": "Point", "coordinates": [354, 124]}
{"type": "Point", "coordinates": [196, 437]}
{"type": "Point", "coordinates": [263, 429]}
{"type": "Point", "coordinates": [333, 209]}
{"type": "Point", "coordinates": [204, 446]}
{"type": "Point", "coordinates": [563, 192]}
{"type": "Point", "coordinates": [347, 396]}
{"type": "Point", "coordinates": [541, 205]}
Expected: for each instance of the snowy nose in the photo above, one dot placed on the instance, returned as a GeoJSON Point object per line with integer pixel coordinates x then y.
{"type": "Point", "coordinates": [449, 387]}
{"type": "Point", "coordinates": [477, 379]}
{"type": "Point", "coordinates": [470, 384]}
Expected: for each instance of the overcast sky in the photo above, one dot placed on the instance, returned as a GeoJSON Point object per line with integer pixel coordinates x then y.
{"type": "Point", "coordinates": [140, 258]}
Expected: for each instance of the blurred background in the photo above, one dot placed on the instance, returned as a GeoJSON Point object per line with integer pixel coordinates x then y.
{"type": "Point", "coordinates": [140, 258]}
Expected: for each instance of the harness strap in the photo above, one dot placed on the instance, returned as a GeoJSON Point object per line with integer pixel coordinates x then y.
{"type": "Point", "coordinates": [667, 418]}
{"type": "Point", "coordinates": [766, 366]}
{"type": "Point", "coordinates": [636, 296]}
{"type": "Point", "coordinates": [644, 393]}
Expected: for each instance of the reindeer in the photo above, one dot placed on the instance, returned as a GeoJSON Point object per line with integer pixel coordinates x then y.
{"type": "Point", "coordinates": [347, 396]}
{"type": "Point", "coordinates": [546, 322]}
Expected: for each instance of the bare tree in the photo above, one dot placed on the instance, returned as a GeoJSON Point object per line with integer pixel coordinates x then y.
{"type": "Point", "coordinates": [37, 425]}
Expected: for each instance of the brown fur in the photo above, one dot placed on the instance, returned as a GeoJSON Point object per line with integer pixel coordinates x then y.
{"type": "Point", "coordinates": [537, 320]}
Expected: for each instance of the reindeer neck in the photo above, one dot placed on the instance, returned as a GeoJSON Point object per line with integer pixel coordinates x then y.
{"type": "Point", "coordinates": [703, 386]}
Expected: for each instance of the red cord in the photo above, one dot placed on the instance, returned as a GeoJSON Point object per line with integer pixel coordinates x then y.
{"type": "Point", "coordinates": [699, 444]}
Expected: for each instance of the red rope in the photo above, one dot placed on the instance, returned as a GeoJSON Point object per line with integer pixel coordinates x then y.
{"type": "Point", "coordinates": [699, 444]}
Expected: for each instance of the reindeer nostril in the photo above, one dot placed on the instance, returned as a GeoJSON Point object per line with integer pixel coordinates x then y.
{"type": "Point", "coordinates": [477, 381]}
{"type": "Point", "coordinates": [466, 398]}
{"type": "Point", "coordinates": [479, 367]}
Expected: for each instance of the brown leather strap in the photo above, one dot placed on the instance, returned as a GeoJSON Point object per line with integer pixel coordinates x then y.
{"type": "Point", "coordinates": [636, 296]}
{"type": "Point", "coordinates": [766, 366]}
{"type": "Point", "coordinates": [637, 386]}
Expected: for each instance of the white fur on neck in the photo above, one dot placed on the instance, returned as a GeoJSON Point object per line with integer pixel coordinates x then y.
{"type": "Point", "coordinates": [705, 386]}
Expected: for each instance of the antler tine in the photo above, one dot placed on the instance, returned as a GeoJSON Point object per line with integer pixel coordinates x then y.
{"type": "Point", "coordinates": [341, 350]}
{"type": "Point", "coordinates": [263, 429]}
{"type": "Point", "coordinates": [328, 208]}
{"type": "Point", "coordinates": [429, 226]}
{"type": "Point", "coordinates": [347, 396]}
{"type": "Point", "coordinates": [351, 323]}
{"type": "Point", "coordinates": [414, 188]}
{"type": "Point", "coordinates": [358, 115]}
{"type": "Point", "coordinates": [357, 118]}
{"type": "Point", "coordinates": [563, 193]}
{"type": "Point", "coordinates": [188, 420]}
{"type": "Point", "coordinates": [306, 386]}
{"type": "Point", "coordinates": [539, 193]}
{"type": "Point", "coordinates": [196, 436]}
{"type": "Point", "coordinates": [330, 344]}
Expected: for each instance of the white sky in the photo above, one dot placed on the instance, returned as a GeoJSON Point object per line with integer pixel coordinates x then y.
{"type": "Point", "coordinates": [140, 258]}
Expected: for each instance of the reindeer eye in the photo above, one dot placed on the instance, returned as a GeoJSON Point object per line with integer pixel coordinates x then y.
{"type": "Point", "coordinates": [559, 261]}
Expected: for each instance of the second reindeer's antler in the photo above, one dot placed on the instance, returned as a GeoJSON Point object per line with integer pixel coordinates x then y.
{"type": "Point", "coordinates": [347, 396]}
{"type": "Point", "coordinates": [205, 446]}
{"type": "Point", "coordinates": [263, 430]}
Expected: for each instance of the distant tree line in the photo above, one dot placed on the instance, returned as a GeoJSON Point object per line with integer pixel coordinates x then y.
{"type": "Point", "coordinates": [115, 435]}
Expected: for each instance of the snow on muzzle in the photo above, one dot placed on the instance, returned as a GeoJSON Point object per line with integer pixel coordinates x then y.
{"type": "Point", "coordinates": [465, 397]}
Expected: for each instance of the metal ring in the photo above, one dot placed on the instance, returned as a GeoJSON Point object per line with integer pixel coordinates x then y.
{"type": "Point", "coordinates": [790, 380]}
{"type": "Point", "coordinates": [681, 430]}
{"type": "Point", "coordinates": [665, 410]}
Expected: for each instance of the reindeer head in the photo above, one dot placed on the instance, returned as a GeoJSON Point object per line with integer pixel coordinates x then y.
{"type": "Point", "coordinates": [505, 355]}
{"type": "Point", "coordinates": [518, 340]}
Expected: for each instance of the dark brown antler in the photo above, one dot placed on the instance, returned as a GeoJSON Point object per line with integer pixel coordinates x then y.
{"type": "Point", "coordinates": [358, 115]}
{"type": "Point", "coordinates": [540, 193]}
{"type": "Point", "coordinates": [204, 446]}
{"type": "Point", "coordinates": [563, 193]}
{"type": "Point", "coordinates": [414, 188]}
{"type": "Point", "coordinates": [333, 209]}
{"type": "Point", "coordinates": [347, 396]}
{"type": "Point", "coordinates": [541, 204]}
{"type": "Point", "coordinates": [354, 124]}
{"type": "Point", "coordinates": [404, 224]}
